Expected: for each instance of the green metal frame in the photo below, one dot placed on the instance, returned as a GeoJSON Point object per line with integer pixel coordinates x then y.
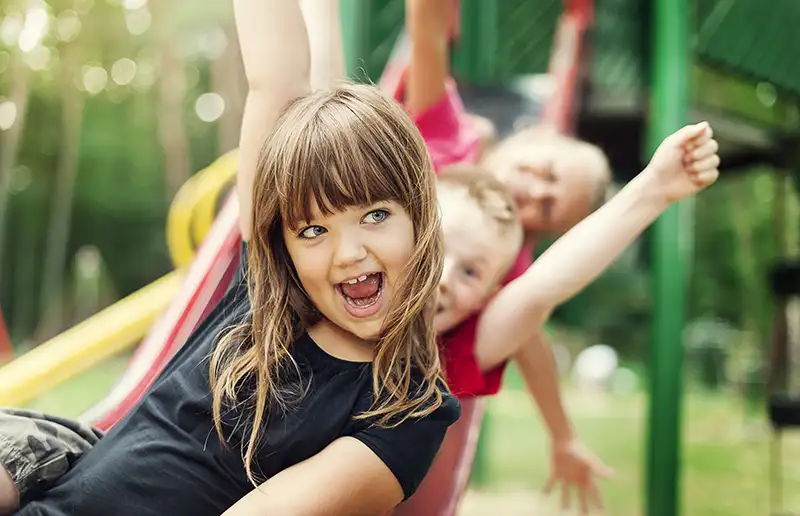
{"type": "Point", "coordinates": [669, 107]}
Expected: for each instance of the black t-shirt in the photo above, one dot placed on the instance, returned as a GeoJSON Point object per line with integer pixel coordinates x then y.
{"type": "Point", "coordinates": [165, 457]}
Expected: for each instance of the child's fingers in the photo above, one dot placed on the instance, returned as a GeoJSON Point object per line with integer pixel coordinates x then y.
{"type": "Point", "coordinates": [706, 178]}
{"type": "Point", "coordinates": [583, 501]}
{"type": "Point", "coordinates": [708, 163]}
{"type": "Point", "coordinates": [594, 494]}
{"type": "Point", "coordinates": [709, 148]}
{"type": "Point", "coordinates": [565, 496]}
{"type": "Point", "coordinates": [692, 135]}
{"type": "Point", "coordinates": [551, 483]}
{"type": "Point", "coordinates": [603, 471]}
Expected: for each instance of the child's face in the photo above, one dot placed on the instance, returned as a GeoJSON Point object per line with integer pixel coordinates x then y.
{"type": "Point", "coordinates": [477, 256]}
{"type": "Point", "coordinates": [552, 189]}
{"type": "Point", "coordinates": [349, 263]}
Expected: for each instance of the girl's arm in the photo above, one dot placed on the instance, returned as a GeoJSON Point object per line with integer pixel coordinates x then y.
{"type": "Point", "coordinates": [325, 38]}
{"type": "Point", "coordinates": [428, 22]}
{"type": "Point", "coordinates": [365, 474]}
{"type": "Point", "coordinates": [345, 479]}
{"type": "Point", "coordinates": [684, 164]}
{"type": "Point", "coordinates": [274, 44]}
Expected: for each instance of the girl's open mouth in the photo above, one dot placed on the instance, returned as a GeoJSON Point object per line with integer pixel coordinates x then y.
{"type": "Point", "coordinates": [362, 295]}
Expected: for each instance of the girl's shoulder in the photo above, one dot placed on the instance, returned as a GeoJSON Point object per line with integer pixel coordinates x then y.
{"type": "Point", "coordinates": [408, 448]}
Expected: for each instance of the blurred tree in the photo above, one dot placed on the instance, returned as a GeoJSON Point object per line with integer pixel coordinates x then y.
{"type": "Point", "coordinates": [171, 94]}
{"type": "Point", "coordinates": [14, 110]}
{"type": "Point", "coordinates": [51, 318]}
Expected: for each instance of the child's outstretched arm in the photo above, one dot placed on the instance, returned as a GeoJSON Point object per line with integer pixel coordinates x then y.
{"type": "Point", "coordinates": [275, 52]}
{"type": "Point", "coordinates": [428, 23]}
{"type": "Point", "coordinates": [685, 163]}
{"type": "Point", "coordinates": [511, 325]}
{"type": "Point", "coordinates": [325, 39]}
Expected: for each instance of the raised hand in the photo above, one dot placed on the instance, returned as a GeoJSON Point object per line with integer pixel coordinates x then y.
{"type": "Point", "coordinates": [685, 162]}
{"type": "Point", "coordinates": [574, 467]}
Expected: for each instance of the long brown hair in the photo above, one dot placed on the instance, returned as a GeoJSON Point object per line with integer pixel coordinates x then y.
{"type": "Point", "coordinates": [347, 146]}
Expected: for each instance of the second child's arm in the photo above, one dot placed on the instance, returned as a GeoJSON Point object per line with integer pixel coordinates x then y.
{"type": "Point", "coordinates": [684, 164]}
{"type": "Point", "coordinates": [537, 366]}
{"type": "Point", "coordinates": [274, 43]}
{"type": "Point", "coordinates": [573, 467]}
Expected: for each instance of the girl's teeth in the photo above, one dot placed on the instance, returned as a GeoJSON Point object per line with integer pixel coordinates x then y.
{"type": "Point", "coordinates": [356, 280]}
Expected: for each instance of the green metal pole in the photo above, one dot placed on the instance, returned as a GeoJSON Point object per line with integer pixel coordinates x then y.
{"type": "Point", "coordinates": [355, 25]}
{"type": "Point", "coordinates": [475, 55]}
{"type": "Point", "coordinates": [668, 109]}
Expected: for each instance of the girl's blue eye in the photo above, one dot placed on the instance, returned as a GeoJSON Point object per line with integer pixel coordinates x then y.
{"type": "Point", "coordinates": [376, 216]}
{"type": "Point", "coordinates": [312, 232]}
{"type": "Point", "coordinates": [469, 271]}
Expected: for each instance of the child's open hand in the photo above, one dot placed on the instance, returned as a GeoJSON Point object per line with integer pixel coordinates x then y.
{"type": "Point", "coordinates": [685, 162]}
{"type": "Point", "coordinates": [576, 468]}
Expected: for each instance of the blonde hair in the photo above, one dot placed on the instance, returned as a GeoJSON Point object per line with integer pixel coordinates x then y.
{"type": "Point", "coordinates": [347, 146]}
{"type": "Point", "coordinates": [491, 196]}
{"type": "Point", "coordinates": [548, 140]}
{"type": "Point", "coordinates": [488, 193]}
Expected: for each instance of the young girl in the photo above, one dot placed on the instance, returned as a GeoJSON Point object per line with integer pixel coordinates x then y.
{"type": "Point", "coordinates": [317, 377]}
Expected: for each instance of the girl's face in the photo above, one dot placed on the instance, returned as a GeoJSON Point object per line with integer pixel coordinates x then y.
{"type": "Point", "coordinates": [349, 262]}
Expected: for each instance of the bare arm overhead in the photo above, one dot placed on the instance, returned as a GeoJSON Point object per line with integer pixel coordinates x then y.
{"type": "Point", "coordinates": [428, 22]}
{"type": "Point", "coordinates": [344, 479]}
{"type": "Point", "coordinates": [684, 164]}
{"type": "Point", "coordinates": [325, 39]}
{"type": "Point", "coordinates": [275, 52]}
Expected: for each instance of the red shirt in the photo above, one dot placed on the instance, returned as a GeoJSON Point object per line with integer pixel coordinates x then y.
{"type": "Point", "coordinates": [458, 347]}
{"type": "Point", "coordinates": [449, 134]}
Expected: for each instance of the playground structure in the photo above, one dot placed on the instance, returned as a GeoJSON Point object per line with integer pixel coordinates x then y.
{"type": "Point", "coordinates": [613, 82]}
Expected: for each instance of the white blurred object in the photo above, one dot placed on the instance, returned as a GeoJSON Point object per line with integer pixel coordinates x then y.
{"type": "Point", "coordinates": [209, 106]}
{"type": "Point", "coordinates": [624, 381]}
{"type": "Point", "coordinates": [594, 367]}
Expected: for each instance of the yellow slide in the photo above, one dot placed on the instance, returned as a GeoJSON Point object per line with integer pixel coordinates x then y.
{"type": "Point", "coordinates": [122, 325]}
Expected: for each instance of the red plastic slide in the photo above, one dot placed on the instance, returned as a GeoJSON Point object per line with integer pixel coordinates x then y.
{"type": "Point", "coordinates": [206, 281]}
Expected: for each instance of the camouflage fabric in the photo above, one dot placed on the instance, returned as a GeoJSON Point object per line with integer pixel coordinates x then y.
{"type": "Point", "coordinates": [36, 449]}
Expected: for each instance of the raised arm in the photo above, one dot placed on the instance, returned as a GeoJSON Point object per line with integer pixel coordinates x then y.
{"type": "Point", "coordinates": [325, 39]}
{"type": "Point", "coordinates": [275, 52]}
{"type": "Point", "coordinates": [684, 164]}
{"type": "Point", "coordinates": [428, 23]}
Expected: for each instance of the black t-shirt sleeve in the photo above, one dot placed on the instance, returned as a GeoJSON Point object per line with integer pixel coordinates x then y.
{"type": "Point", "coordinates": [409, 448]}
